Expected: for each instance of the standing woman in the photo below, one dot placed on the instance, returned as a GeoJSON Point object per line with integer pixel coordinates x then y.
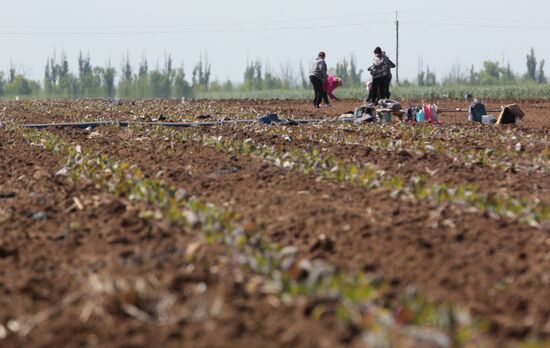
{"type": "Point", "coordinates": [317, 77]}
{"type": "Point", "coordinates": [387, 82]}
{"type": "Point", "coordinates": [379, 71]}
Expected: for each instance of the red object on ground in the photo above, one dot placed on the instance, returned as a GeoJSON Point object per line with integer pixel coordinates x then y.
{"type": "Point", "coordinates": [428, 112]}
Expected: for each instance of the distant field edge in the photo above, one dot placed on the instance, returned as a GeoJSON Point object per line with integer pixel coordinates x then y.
{"type": "Point", "coordinates": [535, 92]}
{"type": "Point", "coordinates": [501, 92]}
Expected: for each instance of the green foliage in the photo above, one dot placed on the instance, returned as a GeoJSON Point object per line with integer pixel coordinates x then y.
{"type": "Point", "coordinates": [20, 86]}
{"type": "Point", "coordinates": [2, 83]}
{"type": "Point", "coordinates": [258, 78]}
{"type": "Point", "coordinates": [181, 87]}
{"type": "Point", "coordinates": [425, 77]}
{"type": "Point", "coordinates": [125, 84]}
{"type": "Point", "coordinates": [455, 75]}
{"type": "Point", "coordinates": [490, 74]}
{"type": "Point", "coordinates": [168, 82]}
{"type": "Point", "coordinates": [58, 79]}
{"type": "Point", "coordinates": [109, 74]}
{"type": "Point", "coordinates": [349, 73]}
{"type": "Point", "coordinates": [531, 65]}
{"type": "Point", "coordinates": [228, 86]}
{"type": "Point", "coordinates": [253, 76]}
{"type": "Point", "coordinates": [508, 74]}
{"type": "Point", "coordinates": [272, 82]}
{"type": "Point", "coordinates": [473, 76]}
{"type": "Point", "coordinates": [89, 80]}
{"type": "Point", "coordinates": [12, 74]}
{"type": "Point", "coordinates": [534, 73]}
{"type": "Point", "coordinates": [304, 81]}
{"type": "Point", "coordinates": [493, 81]}
{"type": "Point", "coordinates": [512, 91]}
{"type": "Point", "coordinates": [239, 93]}
{"type": "Point", "coordinates": [541, 78]}
{"type": "Point", "coordinates": [201, 74]}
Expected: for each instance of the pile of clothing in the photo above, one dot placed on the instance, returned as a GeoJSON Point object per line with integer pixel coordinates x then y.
{"type": "Point", "coordinates": [362, 114]}
{"type": "Point", "coordinates": [390, 105]}
{"type": "Point", "coordinates": [511, 114]}
{"type": "Point", "coordinates": [388, 108]}
{"type": "Point", "coordinates": [370, 113]}
{"type": "Point", "coordinates": [420, 114]}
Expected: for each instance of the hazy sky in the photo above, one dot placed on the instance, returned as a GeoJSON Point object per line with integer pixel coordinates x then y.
{"type": "Point", "coordinates": [442, 32]}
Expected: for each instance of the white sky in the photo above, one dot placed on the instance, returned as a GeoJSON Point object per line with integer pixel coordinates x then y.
{"type": "Point", "coordinates": [442, 32]}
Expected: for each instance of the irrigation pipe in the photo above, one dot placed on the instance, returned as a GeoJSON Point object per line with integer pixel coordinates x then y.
{"type": "Point", "coordinates": [124, 124]}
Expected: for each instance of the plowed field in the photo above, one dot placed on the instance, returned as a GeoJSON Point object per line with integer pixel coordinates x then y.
{"type": "Point", "coordinates": [320, 235]}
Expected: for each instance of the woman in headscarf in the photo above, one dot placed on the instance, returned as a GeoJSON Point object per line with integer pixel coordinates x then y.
{"type": "Point", "coordinates": [317, 76]}
{"type": "Point", "coordinates": [381, 76]}
{"type": "Point", "coordinates": [331, 83]}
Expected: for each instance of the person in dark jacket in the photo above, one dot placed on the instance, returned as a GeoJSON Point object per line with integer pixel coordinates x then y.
{"type": "Point", "coordinates": [317, 77]}
{"type": "Point", "coordinates": [387, 82]}
{"type": "Point", "coordinates": [381, 77]}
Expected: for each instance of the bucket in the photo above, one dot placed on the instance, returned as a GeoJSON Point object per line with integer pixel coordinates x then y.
{"type": "Point", "coordinates": [386, 117]}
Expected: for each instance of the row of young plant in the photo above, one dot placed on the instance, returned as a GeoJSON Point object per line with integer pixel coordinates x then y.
{"type": "Point", "coordinates": [356, 298]}
{"type": "Point", "coordinates": [507, 152]}
{"type": "Point", "coordinates": [497, 205]}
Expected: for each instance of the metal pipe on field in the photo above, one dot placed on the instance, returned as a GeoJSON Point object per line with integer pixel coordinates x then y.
{"type": "Point", "coordinates": [125, 124]}
{"type": "Point", "coordinates": [80, 125]}
{"type": "Point", "coordinates": [464, 110]}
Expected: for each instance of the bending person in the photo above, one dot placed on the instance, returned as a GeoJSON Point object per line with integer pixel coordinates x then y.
{"type": "Point", "coordinates": [331, 83]}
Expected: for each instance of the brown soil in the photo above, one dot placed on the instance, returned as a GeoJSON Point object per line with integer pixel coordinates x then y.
{"type": "Point", "coordinates": [437, 167]}
{"type": "Point", "coordinates": [493, 267]}
{"type": "Point", "coordinates": [50, 250]}
{"type": "Point", "coordinates": [538, 114]}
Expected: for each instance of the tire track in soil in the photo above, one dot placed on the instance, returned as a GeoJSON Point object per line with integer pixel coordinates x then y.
{"type": "Point", "coordinates": [498, 269]}
{"type": "Point", "coordinates": [46, 258]}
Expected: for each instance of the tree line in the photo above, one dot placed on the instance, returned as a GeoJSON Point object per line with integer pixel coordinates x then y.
{"type": "Point", "coordinates": [166, 80]}
{"type": "Point", "coordinates": [491, 73]}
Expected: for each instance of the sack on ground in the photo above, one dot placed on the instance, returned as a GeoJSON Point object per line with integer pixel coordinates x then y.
{"type": "Point", "coordinates": [410, 113]}
{"type": "Point", "coordinates": [511, 114]}
{"type": "Point", "coordinates": [364, 113]}
{"type": "Point", "coordinates": [477, 111]}
{"type": "Point", "coordinates": [390, 104]}
{"type": "Point", "coordinates": [488, 119]}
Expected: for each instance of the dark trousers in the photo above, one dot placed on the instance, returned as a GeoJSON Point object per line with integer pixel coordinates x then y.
{"type": "Point", "coordinates": [386, 88]}
{"type": "Point", "coordinates": [377, 90]}
{"type": "Point", "coordinates": [320, 93]}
